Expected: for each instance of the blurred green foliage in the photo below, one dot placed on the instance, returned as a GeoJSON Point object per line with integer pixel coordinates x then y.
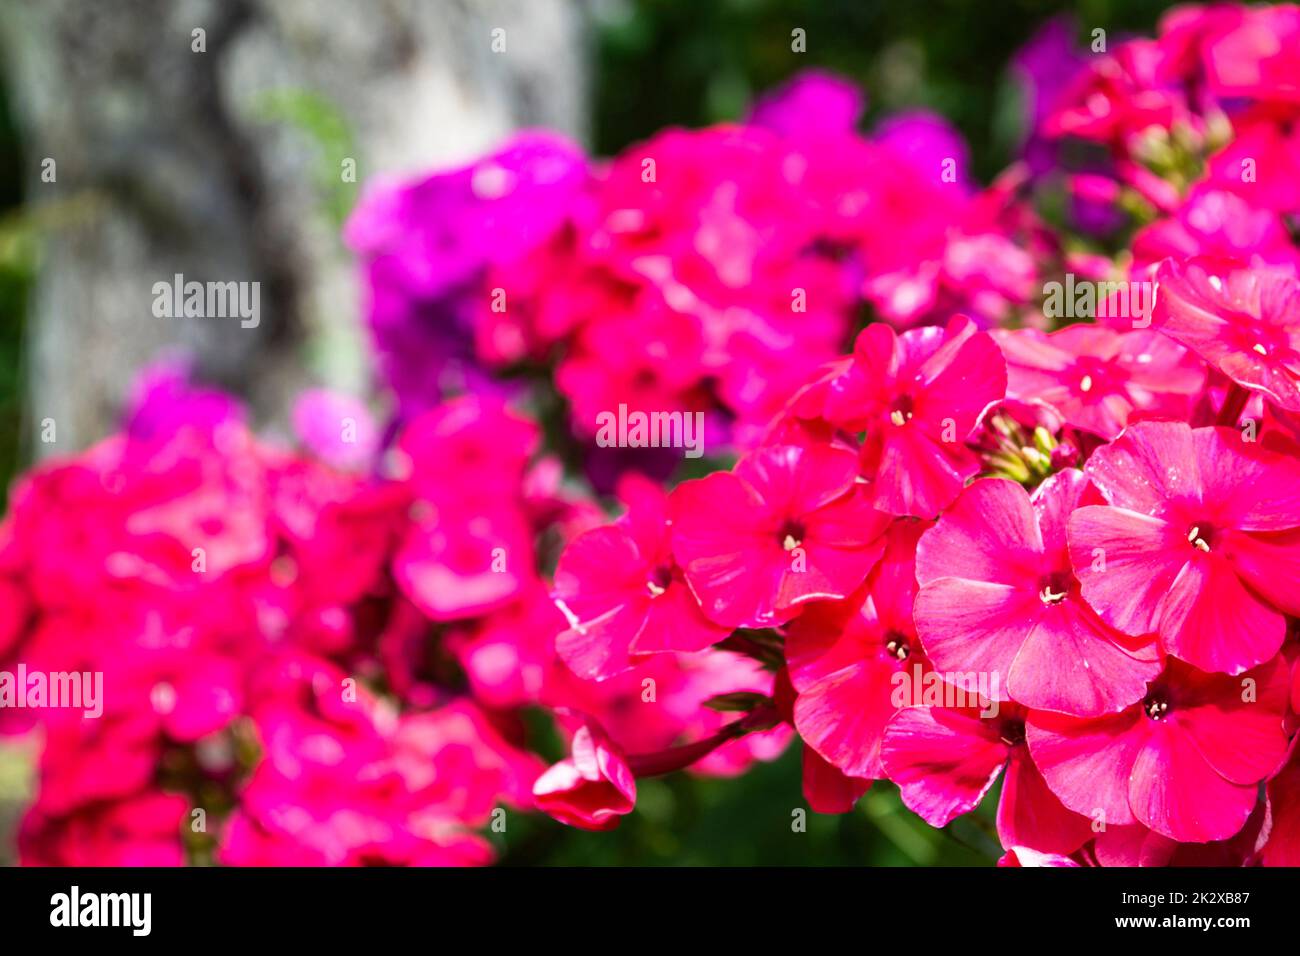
{"type": "Point", "coordinates": [758, 819]}
{"type": "Point", "coordinates": [328, 129]}
{"type": "Point", "coordinates": [682, 62]}
{"type": "Point", "coordinates": [17, 267]}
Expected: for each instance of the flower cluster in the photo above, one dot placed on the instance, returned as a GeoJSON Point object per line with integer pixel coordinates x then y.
{"type": "Point", "coordinates": [300, 664]}
{"type": "Point", "coordinates": [1013, 546]}
{"type": "Point", "coordinates": [1002, 498]}
{"type": "Point", "coordinates": [702, 270]}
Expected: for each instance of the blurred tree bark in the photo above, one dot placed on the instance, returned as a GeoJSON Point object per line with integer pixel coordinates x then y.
{"type": "Point", "coordinates": [169, 160]}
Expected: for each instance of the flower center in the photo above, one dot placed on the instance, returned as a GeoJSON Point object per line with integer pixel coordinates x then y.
{"type": "Point", "coordinates": [1200, 536]}
{"type": "Point", "coordinates": [1156, 705]}
{"type": "Point", "coordinates": [1094, 375]}
{"type": "Point", "coordinates": [658, 581]}
{"type": "Point", "coordinates": [901, 412]}
{"type": "Point", "coordinates": [791, 535]}
{"type": "Point", "coordinates": [897, 646]}
{"type": "Point", "coordinates": [1054, 588]}
{"type": "Point", "coordinates": [1013, 732]}
{"type": "Point", "coordinates": [1265, 340]}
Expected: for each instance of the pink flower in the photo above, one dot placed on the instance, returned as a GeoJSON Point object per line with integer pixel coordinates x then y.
{"type": "Point", "coordinates": [918, 395]}
{"type": "Point", "coordinates": [997, 597]}
{"type": "Point", "coordinates": [509, 655]}
{"type": "Point", "coordinates": [623, 595]}
{"type": "Point", "coordinates": [945, 760]}
{"type": "Point", "coordinates": [336, 427]}
{"type": "Point", "coordinates": [1186, 761]}
{"type": "Point", "coordinates": [1270, 147]}
{"type": "Point", "coordinates": [592, 787]}
{"type": "Point", "coordinates": [1281, 837]}
{"type": "Point", "coordinates": [650, 359]}
{"type": "Point", "coordinates": [1135, 845]}
{"type": "Point", "coordinates": [1197, 543]}
{"type": "Point", "coordinates": [788, 525]}
{"type": "Point", "coordinates": [826, 788]}
{"type": "Point", "coordinates": [142, 829]}
{"type": "Point", "coordinates": [1214, 224]}
{"type": "Point", "coordinates": [847, 658]}
{"type": "Point", "coordinates": [814, 103]}
{"type": "Point", "coordinates": [1257, 57]}
{"type": "Point", "coordinates": [346, 781]}
{"type": "Point", "coordinates": [468, 549]}
{"type": "Point", "coordinates": [1021, 856]}
{"type": "Point", "coordinates": [457, 765]}
{"type": "Point", "coordinates": [1096, 378]}
{"type": "Point", "coordinates": [1244, 322]}
{"type": "Point", "coordinates": [1118, 97]}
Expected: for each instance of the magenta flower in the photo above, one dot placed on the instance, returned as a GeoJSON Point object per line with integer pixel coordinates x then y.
{"type": "Point", "coordinates": [143, 829]}
{"type": "Point", "coordinates": [337, 428]}
{"type": "Point", "coordinates": [945, 760]}
{"type": "Point", "coordinates": [1244, 322]}
{"type": "Point", "coordinates": [592, 787]}
{"type": "Point", "coordinates": [845, 659]}
{"type": "Point", "coordinates": [1271, 146]}
{"type": "Point", "coordinates": [1282, 845]}
{"type": "Point", "coordinates": [1215, 224]}
{"type": "Point", "coordinates": [1022, 856]}
{"type": "Point", "coordinates": [826, 788]}
{"type": "Point", "coordinates": [1198, 543]}
{"type": "Point", "coordinates": [815, 103]}
{"type": "Point", "coordinates": [1097, 378]}
{"type": "Point", "coordinates": [1186, 761]}
{"type": "Point", "coordinates": [427, 245]}
{"type": "Point", "coordinates": [623, 595]}
{"type": "Point", "coordinates": [997, 598]}
{"type": "Point", "coordinates": [346, 781]}
{"type": "Point", "coordinates": [468, 548]}
{"type": "Point", "coordinates": [789, 524]}
{"type": "Point", "coordinates": [917, 396]}
{"type": "Point", "coordinates": [1253, 52]}
{"type": "Point", "coordinates": [1135, 845]}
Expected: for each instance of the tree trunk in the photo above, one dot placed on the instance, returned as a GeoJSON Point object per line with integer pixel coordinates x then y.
{"type": "Point", "coordinates": [169, 161]}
